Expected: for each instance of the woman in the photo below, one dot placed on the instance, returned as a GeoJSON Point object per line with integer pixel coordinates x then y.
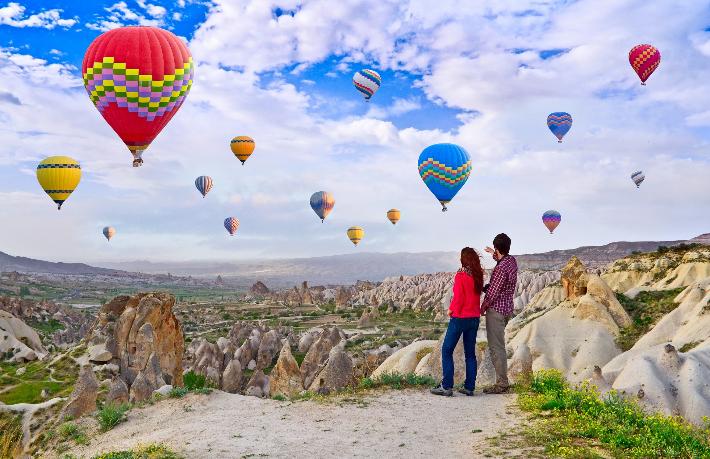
{"type": "Point", "coordinates": [465, 313]}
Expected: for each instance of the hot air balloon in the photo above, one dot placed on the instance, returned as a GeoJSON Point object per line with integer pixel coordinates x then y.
{"type": "Point", "coordinates": [444, 167]}
{"type": "Point", "coordinates": [638, 177]}
{"type": "Point", "coordinates": [644, 59]}
{"type": "Point", "coordinates": [393, 216]}
{"type": "Point", "coordinates": [367, 82]}
{"type": "Point", "coordinates": [109, 231]}
{"type": "Point", "coordinates": [355, 234]}
{"type": "Point", "coordinates": [203, 183]}
{"type": "Point", "coordinates": [231, 223]}
{"type": "Point", "coordinates": [322, 203]}
{"type": "Point", "coordinates": [242, 146]}
{"type": "Point", "coordinates": [58, 176]}
{"type": "Point", "coordinates": [559, 123]}
{"type": "Point", "coordinates": [551, 219]}
{"type": "Point", "coordinates": [137, 77]}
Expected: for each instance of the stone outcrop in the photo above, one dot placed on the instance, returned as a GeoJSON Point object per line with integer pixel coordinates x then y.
{"type": "Point", "coordinates": [232, 377]}
{"type": "Point", "coordinates": [337, 372]}
{"type": "Point", "coordinates": [83, 398]}
{"type": "Point", "coordinates": [406, 359]}
{"type": "Point", "coordinates": [573, 335]}
{"type": "Point", "coordinates": [285, 378]}
{"type": "Point", "coordinates": [117, 392]}
{"type": "Point", "coordinates": [259, 289]}
{"type": "Point", "coordinates": [318, 354]}
{"type": "Point", "coordinates": [258, 385]}
{"type": "Point", "coordinates": [145, 340]}
{"type": "Point", "coordinates": [18, 341]}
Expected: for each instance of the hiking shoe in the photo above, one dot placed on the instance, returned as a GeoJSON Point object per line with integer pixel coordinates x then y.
{"type": "Point", "coordinates": [440, 390]}
{"type": "Point", "coordinates": [465, 391]}
{"type": "Point", "coordinates": [496, 389]}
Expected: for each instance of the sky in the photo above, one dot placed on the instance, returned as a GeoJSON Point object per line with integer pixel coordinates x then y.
{"type": "Point", "coordinates": [481, 74]}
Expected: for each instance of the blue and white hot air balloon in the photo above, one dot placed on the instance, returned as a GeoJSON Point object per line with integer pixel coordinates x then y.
{"type": "Point", "coordinates": [203, 183]}
{"type": "Point", "coordinates": [638, 177]}
{"type": "Point", "coordinates": [444, 168]}
{"type": "Point", "coordinates": [560, 124]}
{"type": "Point", "coordinates": [367, 82]}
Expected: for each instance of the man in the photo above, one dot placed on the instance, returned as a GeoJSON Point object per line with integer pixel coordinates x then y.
{"type": "Point", "coordinates": [498, 308]}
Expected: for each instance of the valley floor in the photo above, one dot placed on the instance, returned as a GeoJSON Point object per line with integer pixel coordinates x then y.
{"type": "Point", "coordinates": [408, 423]}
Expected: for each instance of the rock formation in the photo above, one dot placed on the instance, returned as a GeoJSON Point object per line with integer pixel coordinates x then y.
{"type": "Point", "coordinates": [259, 289]}
{"type": "Point", "coordinates": [318, 354]}
{"type": "Point", "coordinates": [258, 385]}
{"type": "Point", "coordinates": [573, 335]}
{"type": "Point", "coordinates": [145, 340]}
{"type": "Point", "coordinates": [406, 359]}
{"type": "Point", "coordinates": [337, 372]}
{"type": "Point", "coordinates": [83, 398]}
{"type": "Point", "coordinates": [285, 379]}
{"type": "Point", "coordinates": [18, 341]}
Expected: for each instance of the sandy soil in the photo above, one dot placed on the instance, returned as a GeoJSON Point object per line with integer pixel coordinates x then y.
{"type": "Point", "coordinates": [396, 424]}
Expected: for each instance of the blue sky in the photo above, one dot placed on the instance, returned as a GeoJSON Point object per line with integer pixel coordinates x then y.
{"type": "Point", "coordinates": [484, 74]}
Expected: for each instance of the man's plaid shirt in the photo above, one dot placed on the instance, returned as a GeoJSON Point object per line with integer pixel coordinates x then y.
{"type": "Point", "coordinates": [501, 288]}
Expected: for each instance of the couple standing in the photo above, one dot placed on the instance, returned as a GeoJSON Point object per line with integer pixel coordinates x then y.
{"type": "Point", "coordinates": [466, 310]}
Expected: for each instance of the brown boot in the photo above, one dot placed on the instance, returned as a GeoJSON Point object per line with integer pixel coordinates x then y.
{"type": "Point", "coordinates": [496, 389]}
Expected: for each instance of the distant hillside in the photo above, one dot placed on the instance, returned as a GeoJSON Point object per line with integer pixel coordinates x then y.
{"type": "Point", "coordinates": [30, 265]}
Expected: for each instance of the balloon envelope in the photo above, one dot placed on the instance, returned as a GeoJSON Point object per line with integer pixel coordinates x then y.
{"type": "Point", "coordinates": [638, 177]}
{"type": "Point", "coordinates": [355, 234]}
{"type": "Point", "coordinates": [109, 231]}
{"type": "Point", "coordinates": [59, 176]}
{"type": "Point", "coordinates": [322, 203]}
{"type": "Point", "coordinates": [231, 224]}
{"type": "Point", "coordinates": [367, 82]}
{"type": "Point", "coordinates": [444, 168]}
{"type": "Point", "coordinates": [559, 123]}
{"type": "Point", "coordinates": [393, 216]}
{"type": "Point", "coordinates": [137, 77]}
{"type": "Point", "coordinates": [644, 59]}
{"type": "Point", "coordinates": [242, 146]}
{"type": "Point", "coordinates": [551, 219]}
{"type": "Point", "coordinates": [203, 183]}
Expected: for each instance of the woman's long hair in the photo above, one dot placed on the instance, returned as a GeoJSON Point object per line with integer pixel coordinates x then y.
{"type": "Point", "coordinates": [471, 261]}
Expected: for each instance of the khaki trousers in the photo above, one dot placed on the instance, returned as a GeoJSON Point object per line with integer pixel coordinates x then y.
{"type": "Point", "coordinates": [495, 331]}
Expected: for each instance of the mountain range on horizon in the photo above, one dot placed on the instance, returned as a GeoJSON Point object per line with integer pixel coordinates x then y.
{"type": "Point", "coordinates": [333, 269]}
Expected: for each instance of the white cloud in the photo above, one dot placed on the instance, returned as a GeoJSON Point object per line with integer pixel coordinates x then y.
{"type": "Point", "coordinates": [13, 15]}
{"type": "Point", "coordinates": [154, 11]}
{"type": "Point", "coordinates": [120, 14]}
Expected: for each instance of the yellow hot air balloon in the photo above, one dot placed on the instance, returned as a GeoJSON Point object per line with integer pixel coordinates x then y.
{"type": "Point", "coordinates": [59, 176]}
{"type": "Point", "coordinates": [393, 216]}
{"type": "Point", "coordinates": [242, 147]}
{"type": "Point", "coordinates": [355, 234]}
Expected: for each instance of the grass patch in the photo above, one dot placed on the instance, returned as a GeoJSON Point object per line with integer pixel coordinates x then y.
{"type": "Point", "coordinates": [31, 392]}
{"type": "Point", "coordinates": [111, 415]}
{"type": "Point", "coordinates": [689, 346]}
{"type": "Point", "coordinates": [71, 431]}
{"type": "Point", "coordinates": [10, 434]}
{"type": "Point", "coordinates": [279, 397]}
{"type": "Point", "coordinates": [578, 422]}
{"type": "Point", "coordinates": [47, 327]}
{"type": "Point", "coordinates": [154, 451]}
{"type": "Point", "coordinates": [299, 356]}
{"type": "Point", "coordinates": [423, 353]}
{"type": "Point", "coordinates": [397, 381]}
{"type": "Point", "coordinates": [192, 380]}
{"type": "Point", "coordinates": [178, 392]}
{"type": "Point", "coordinates": [645, 311]}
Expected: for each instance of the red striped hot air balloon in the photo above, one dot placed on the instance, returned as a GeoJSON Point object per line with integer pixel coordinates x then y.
{"type": "Point", "coordinates": [137, 77]}
{"type": "Point", "coordinates": [644, 59]}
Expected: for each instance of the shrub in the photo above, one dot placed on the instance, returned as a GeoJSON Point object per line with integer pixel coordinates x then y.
{"type": "Point", "coordinates": [71, 431]}
{"type": "Point", "coordinates": [178, 392]}
{"type": "Point", "coordinates": [279, 397]}
{"type": "Point", "coordinates": [146, 452]}
{"type": "Point", "coordinates": [111, 415]}
{"type": "Point", "coordinates": [582, 422]}
{"type": "Point", "coordinates": [10, 435]}
{"type": "Point", "coordinates": [193, 381]}
{"type": "Point", "coordinates": [397, 381]}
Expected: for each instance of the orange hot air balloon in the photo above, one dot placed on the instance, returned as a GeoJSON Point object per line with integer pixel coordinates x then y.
{"type": "Point", "coordinates": [242, 146]}
{"type": "Point", "coordinates": [393, 216]}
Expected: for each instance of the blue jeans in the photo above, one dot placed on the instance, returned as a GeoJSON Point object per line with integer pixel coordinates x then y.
{"type": "Point", "coordinates": [457, 327]}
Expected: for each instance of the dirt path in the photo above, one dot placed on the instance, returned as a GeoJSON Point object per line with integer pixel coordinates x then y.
{"type": "Point", "coordinates": [398, 424]}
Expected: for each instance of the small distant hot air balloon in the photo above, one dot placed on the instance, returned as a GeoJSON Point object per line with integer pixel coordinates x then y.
{"type": "Point", "coordinates": [644, 59]}
{"type": "Point", "coordinates": [559, 123]}
{"type": "Point", "coordinates": [242, 146]}
{"type": "Point", "coordinates": [444, 168]}
{"type": "Point", "coordinates": [203, 183]}
{"type": "Point", "coordinates": [551, 219]}
{"type": "Point", "coordinates": [58, 176]}
{"type": "Point", "coordinates": [137, 77]}
{"type": "Point", "coordinates": [109, 231]}
{"type": "Point", "coordinates": [231, 224]}
{"type": "Point", "coordinates": [393, 216]}
{"type": "Point", "coordinates": [355, 234]}
{"type": "Point", "coordinates": [322, 203]}
{"type": "Point", "coordinates": [367, 82]}
{"type": "Point", "coordinates": [638, 177]}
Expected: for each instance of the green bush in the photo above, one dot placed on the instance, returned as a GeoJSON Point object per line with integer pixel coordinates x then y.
{"type": "Point", "coordinates": [193, 381]}
{"type": "Point", "coordinates": [111, 415]}
{"type": "Point", "coordinates": [178, 392]}
{"type": "Point", "coordinates": [397, 381]}
{"type": "Point", "coordinates": [145, 452]}
{"type": "Point", "coordinates": [71, 431]}
{"type": "Point", "coordinates": [582, 421]}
